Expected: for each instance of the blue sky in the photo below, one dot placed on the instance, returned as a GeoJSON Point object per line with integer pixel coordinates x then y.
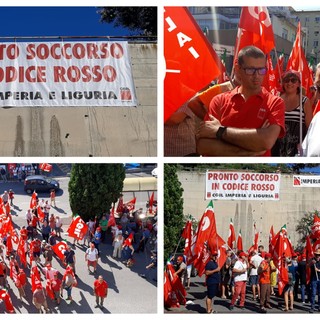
{"type": "Point", "coordinates": [55, 21]}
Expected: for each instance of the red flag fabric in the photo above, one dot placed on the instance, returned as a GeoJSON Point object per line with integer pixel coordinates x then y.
{"type": "Point", "coordinates": [33, 200]}
{"type": "Point", "coordinates": [278, 72]}
{"type": "Point", "coordinates": [35, 278]}
{"type": "Point", "coordinates": [298, 62]}
{"type": "Point", "coordinates": [41, 214]}
{"type": "Point", "coordinates": [128, 241]}
{"type": "Point", "coordinates": [21, 252]}
{"type": "Point", "coordinates": [270, 80]}
{"type": "Point", "coordinates": [202, 259]}
{"type": "Point", "coordinates": [316, 245]}
{"type": "Point", "coordinates": [256, 28]}
{"type": "Point", "coordinates": [9, 244]}
{"type": "Point", "coordinates": [169, 298]}
{"type": "Point", "coordinates": [7, 208]}
{"type": "Point", "coordinates": [256, 237]}
{"type": "Point", "coordinates": [239, 242]}
{"type": "Point", "coordinates": [151, 199]}
{"type": "Point", "coordinates": [187, 235]}
{"type": "Point", "coordinates": [280, 263]}
{"type": "Point", "coordinates": [45, 167]}
{"type": "Point", "coordinates": [131, 204]}
{"type": "Point", "coordinates": [218, 244]}
{"type": "Point", "coordinates": [232, 235]}
{"type": "Point", "coordinates": [4, 295]}
{"type": "Point", "coordinates": [78, 228]}
{"type": "Point", "coordinates": [315, 228]}
{"type": "Point", "coordinates": [191, 62]}
{"type": "Point", "coordinates": [206, 228]}
{"type": "Point", "coordinates": [120, 205]}
{"type": "Point", "coordinates": [59, 249]}
{"type": "Point", "coordinates": [177, 286]}
{"type": "Point", "coordinates": [316, 108]}
{"type": "Point", "coordinates": [112, 220]}
{"type": "Point", "coordinates": [49, 290]}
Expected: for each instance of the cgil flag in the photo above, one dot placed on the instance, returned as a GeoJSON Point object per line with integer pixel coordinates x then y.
{"type": "Point", "coordinates": [191, 62]}
{"type": "Point", "coordinates": [232, 235]}
{"type": "Point", "coordinates": [46, 167]}
{"type": "Point", "coordinates": [78, 228]}
{"type": "Point", "coordinates": [239, 242]}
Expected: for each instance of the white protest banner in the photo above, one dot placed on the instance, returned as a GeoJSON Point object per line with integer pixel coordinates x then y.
{"type": "Point", "coordinates": [66, 74]}
{"type": "Point", "coordinates": [306, 181]}
{"type": "Point", "coordinates": [242, 186]}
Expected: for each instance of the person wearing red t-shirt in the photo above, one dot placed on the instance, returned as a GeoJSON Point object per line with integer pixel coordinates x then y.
{"type": "Point", "coordinates": [56, 287]}
{"type": "Point", "coordinates": [20, 282]}
{"type": "Point", "coordinates": [264, 272]}
{"type": "Point", "coordinates": [247, 120]}
{"type": "Point", "coordinates": [100, 289]}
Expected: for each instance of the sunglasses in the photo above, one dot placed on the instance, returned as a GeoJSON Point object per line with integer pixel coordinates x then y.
{"type": "Point", "coordinates": [253, 71]}
{"type": "Point", "coordinates": [293, 80]}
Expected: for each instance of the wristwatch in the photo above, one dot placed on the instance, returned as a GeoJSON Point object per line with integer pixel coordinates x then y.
{"type": "Point", "coordinates": [220, 132]}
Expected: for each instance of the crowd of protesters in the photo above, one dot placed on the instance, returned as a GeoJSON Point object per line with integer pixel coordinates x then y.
{"type": "Point", "coordinates": [26, 253]}
{"type": "Point", "coordinates": [253, 279]}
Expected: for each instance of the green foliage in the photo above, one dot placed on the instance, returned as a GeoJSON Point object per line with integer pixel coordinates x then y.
{"type": "Point", "coordinates": [173, 209]}
{"type": "Point", "coordinates": [141, 20]}
{"type": "Point", "coordinates": [304, 226]}
{"type": "Point", "coordinates": [94, 187]}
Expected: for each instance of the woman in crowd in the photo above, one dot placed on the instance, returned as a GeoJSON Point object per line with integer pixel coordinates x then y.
{"type": "Point", "coordinates": [288, 146]}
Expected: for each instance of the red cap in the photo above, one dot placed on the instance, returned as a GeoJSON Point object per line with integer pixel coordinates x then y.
{"type": "Point", "coordinates": [267, 255]}
{"type": "Point", "coordinates": [242, 254]}
{"type": "Point", "coordinates": [180, 258]}
{"type": "Point", "coordinates": [214, 253]}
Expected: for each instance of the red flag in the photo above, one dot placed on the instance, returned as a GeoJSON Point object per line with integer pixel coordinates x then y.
{"type": "Point", "coordinates": [35, 278]}
{"type": "Point", "coordinates": [256, 237]}
{"type": "Point", "coordinates": [78, 228]}
{"type": "Point", "coordinates": [218, 244]}
{"type": "Point", "coordinates": [45, 167]}
{"type": "Point", "coordinates": [255, 29]}
{"type": "Point", "coordinates": [59, 249]}
{"type": "Point", "coordinates": [169, 298]}
{"type": "Point", "coordinates": [232, 235]}
{"type": "Point", "coordinates": [7, 208]}
{"type": "Point", "coordinates": [151, 199]}
{"type": "Point", "coordinates": [120, 205]}
{"type": "Point", "coordinates": [298, 62]}
{"type": "Point", "coordinates": [270, 80]}
{"type": "Point", "coordinates": [49, 290]}
{"type": "Point", "coordinates": [177, 286]}
{"type": "Point", "coordinates": [279, 261]}
{"type": "Point", "coordinates": [202, 259]}
{"type": "Point", "coordinates": [131, 204]}
{"type": "Point", "coordinates": [316, 245]}
{"type": "Point", "coordinates": [271, 236]}
{"type": "Point", "coordinates": [112, 220]}
{"type": "Point", "coordinates": [315, 228]}
{"type": "Point", "coordinates": [239, 242]}
{"type": "Point", "coordinates": [206, 228]}
{"type": "Point", "coordinates": [187, 235]}
{"type": "Point", "coordinates": [9, 244]}
{"type": "Point", "coordinates": [278, 72]}
{"type": "Point", "coordinates": [309, 256]}
{"type": "Point", "coordinates": [21, 252]}
{"type": "Point", "coordinates": [41, 214]}
{"type": "Point", "coordinates": [128, 241]}
{"type": "Point", "coordinates": [33, 200]}
{"type": "Point", "coordinates": [316, 108]}
{"type": "Point", "coordinates": [4, 295]}
{"type": "Point", "coordinates": [191, 62]}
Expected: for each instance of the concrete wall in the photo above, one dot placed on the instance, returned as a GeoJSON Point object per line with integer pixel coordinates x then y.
{"type": "Point", "coordinates": [293, 203]}
{"type": "Point", "coordinates": [89, 131]}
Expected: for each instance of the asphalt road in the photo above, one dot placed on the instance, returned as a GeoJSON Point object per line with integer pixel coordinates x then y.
{"type": "Point", "coordinates": [129, 290]}
{"type": "Point", "coordinates": [196, 303]}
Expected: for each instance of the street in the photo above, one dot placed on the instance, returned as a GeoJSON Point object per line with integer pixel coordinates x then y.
{"type": "Point", "coordinates": [129, 291]}
{"type": "Point", "coordinates": [196, 302]}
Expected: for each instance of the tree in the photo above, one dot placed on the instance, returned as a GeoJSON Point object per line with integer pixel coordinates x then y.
{"type": "Point", "coordinates": [304, 226]}
{"type": "Point", "coordinates": [93, 187]}
{"type": "Point", "coordinates": [173, 209]}
{"type": "Point", "coordinates": [141, 20]}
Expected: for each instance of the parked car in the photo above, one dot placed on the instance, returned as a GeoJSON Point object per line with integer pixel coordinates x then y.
{"type": "Point", "coordinates": [40, 184]}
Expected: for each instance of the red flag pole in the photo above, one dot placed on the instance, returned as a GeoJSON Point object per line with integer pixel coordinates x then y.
{"type": "Point", "coordinates": [300, 71]}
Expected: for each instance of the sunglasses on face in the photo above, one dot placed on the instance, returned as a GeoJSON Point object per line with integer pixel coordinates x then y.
{"type": "Point", "coordinates": [253, 71]}
{"type": "Point", "coordinates": [293, 80]}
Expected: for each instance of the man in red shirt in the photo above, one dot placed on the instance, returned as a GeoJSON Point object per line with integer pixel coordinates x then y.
{"type": "Point", "coordinates": [247, 120]}
{"type": "Point", "coordinates": [100, 288]}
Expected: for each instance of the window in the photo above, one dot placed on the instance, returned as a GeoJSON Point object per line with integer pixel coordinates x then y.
{"type": "Point", "coordinates": [317, 19]}
{"type": "Point", "coordinates": [316, 33]}
{"type": "Point", "coordinates": [284, 33]}
{"type": "Point", "coordinates": [315, 43]}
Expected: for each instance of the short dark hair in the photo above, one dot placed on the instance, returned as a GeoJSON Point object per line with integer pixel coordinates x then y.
{"type": "Point", "coordinates": [250, 51]}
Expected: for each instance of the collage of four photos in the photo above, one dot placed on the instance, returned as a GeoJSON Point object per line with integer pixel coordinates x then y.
{"type": "Point", "coordinates": [225, 127]}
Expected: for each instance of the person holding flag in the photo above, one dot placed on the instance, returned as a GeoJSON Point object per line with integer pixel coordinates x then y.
{"type": "Point", "coordinates": [247, 120]}
{"type": "Point", "coordinates": [212, 272]}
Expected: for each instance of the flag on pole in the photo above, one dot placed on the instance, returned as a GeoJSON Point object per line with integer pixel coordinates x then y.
{"type": "Point", "coordinates": [309, 256]}
{"type": "Point", "coordinates": [191, 62]}
{"type": "Point", "coordinates": [232, 235]}
{"type": "Point", "coordinates": [187, 235]}
{"type": "Point", "coordinates": [239, 242]}
{"type": "Point", "coordinates": [59, 248]}
{"type": "Point", "coordinates": [46, 167]}
{"type": "Point", "coordinates": [151, 199]}
{"type": "Point", "coordinates": [120, 205]}
{"type": "Point", "coordinates": [315, 228]}
{"type": "Point", "coordinates": [112, 220]}
{"type": "Point", "coordinates": [78, 228]}
{"type": "Point", "coordinates": [33, 200]}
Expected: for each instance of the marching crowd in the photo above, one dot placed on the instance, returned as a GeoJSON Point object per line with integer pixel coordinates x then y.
{"type": "Point", "coordinates": [28, 253]}
{"type": "Point", "coordinates": [254, 277]}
